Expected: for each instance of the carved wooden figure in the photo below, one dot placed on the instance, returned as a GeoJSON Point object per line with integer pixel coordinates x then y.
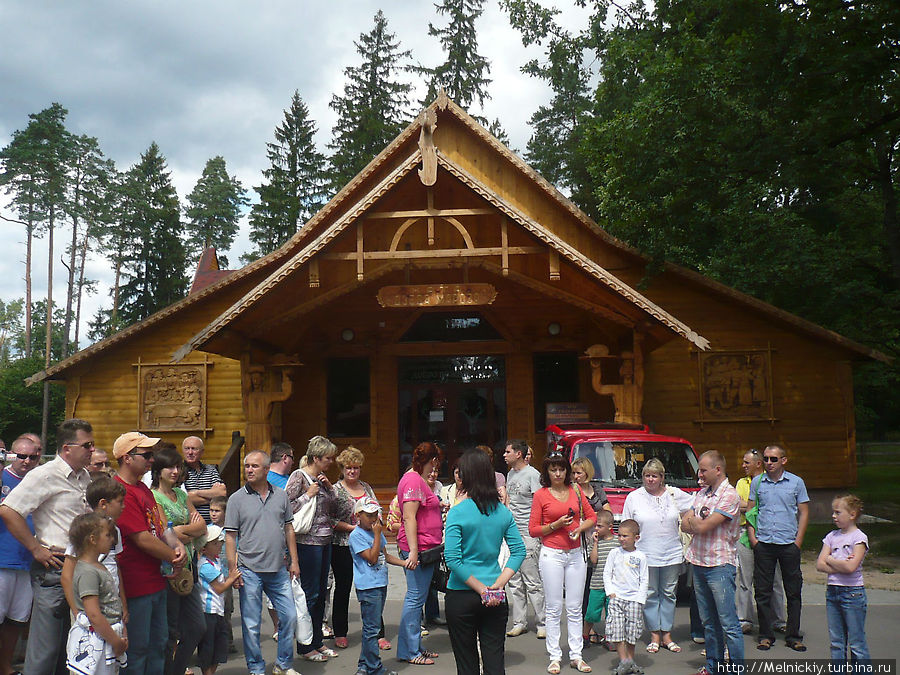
{"type": "Point", "coordinates": [258, 406]}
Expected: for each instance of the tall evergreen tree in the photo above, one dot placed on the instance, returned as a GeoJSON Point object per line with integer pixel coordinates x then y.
{"type": "Point", "coordinates": [463, 74]}
{"type": "Point", "coordinates": [295, 182]}
{"type": "Point", "coordinates": [154, 260]}
{"type": "Point", "coordinates": [213, 210]}
{"type": "Point", "coordinates": [374, 106]}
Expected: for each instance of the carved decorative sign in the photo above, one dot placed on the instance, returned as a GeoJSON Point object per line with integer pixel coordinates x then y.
{"type": "Point", "coordinates": [172, 397]}
{"type": "Point", "coordinates": [437, 295]}
{"type": "Point", "coordinates": [736, 386]}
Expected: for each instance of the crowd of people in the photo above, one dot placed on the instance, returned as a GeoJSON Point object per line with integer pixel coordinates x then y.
{"type": "Point", "coordinates": [109, 565]}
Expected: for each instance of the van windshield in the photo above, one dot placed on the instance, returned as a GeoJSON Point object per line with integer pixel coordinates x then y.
{"type": "Point", "coordinates": [620, 463]}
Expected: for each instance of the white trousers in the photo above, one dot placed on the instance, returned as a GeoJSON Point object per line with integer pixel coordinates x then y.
{"type": "Point", "coordinates": [525, 585]}
{"type": "Point", "coordinates": [563, 571]}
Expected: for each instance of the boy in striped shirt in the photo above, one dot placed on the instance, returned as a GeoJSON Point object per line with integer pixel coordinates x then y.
{"type": "Point", "coordinates": [214, 582]}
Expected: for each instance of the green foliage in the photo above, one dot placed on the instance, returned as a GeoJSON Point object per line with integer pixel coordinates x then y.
{"type": "Point", "coordinates": [753, 141]}
{"type": "Point", "coordinates": [213, 210]}
{"type": "Point", "coordinates": [10, 326]}
{"type": "Point", "coordinates": [463, 74]}
{"type": "Point", "coordinates": [20, 406]}
{"type": "Point", "coordinates": [154, 258]}
{"type": "Point", "coordinates": [294, 187]}
{"type": "Point", "coordinates": [374, 106]}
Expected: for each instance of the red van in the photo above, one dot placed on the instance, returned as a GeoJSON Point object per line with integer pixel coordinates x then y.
{"type": "Point", "coordinates": [618, 453]}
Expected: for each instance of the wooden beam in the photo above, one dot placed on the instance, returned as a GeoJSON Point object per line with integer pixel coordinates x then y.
{"type": "Point", "coordinates": [504, 244]}
{"type": "Point", "coordinates": [438, 253]}
{"type": "Point", "coordinates": [314, 273]}
{"type": "Point", "coordinates": [430, 212]}
{"type": "Point", "coordinates": [554, 265]}
{"type": "Point", "coordinates": [430, 193]}
{"type": "Point", "coordinates": [359, 251]}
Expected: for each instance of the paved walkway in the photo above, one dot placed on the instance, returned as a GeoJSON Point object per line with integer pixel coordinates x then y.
{"type": "Point", "coordinates": [527, 655]}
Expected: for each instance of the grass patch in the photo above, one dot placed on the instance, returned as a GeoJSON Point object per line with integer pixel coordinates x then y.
{"type": "Point", "coordinates": [879, 488]}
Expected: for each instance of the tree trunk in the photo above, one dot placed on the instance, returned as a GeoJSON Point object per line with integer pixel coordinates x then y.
{"type": "Point", "coordinates": [29, 239]}
{"type": "Point", "coordinates": [70, 288]}
{"type": "Point", "coordinates": [884, 155]}
{"type": "Point", "coordinates": [45, 412]}
{"type": "Point", "coordinates": [114, 315]}
{"type": "Point", "coordinates": [81, 263]}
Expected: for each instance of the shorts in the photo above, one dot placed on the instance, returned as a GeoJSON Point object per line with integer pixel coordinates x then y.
{"type": "Point", "coordinates": [15, 595]}
{"type": "Point", "coordinates": [597, 602]}
{"type": "Point", "coordinates": [624, 621]}
{"type": "Point", "coordinates": [213, 647]}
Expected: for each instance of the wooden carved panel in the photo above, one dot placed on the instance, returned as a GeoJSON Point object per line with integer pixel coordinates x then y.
{"type": "Point", "coordinates": [437, 295]}
{"type": "Point", "coordinates": [736, 386]}
{"type": "Point", "coordinates": [172, 397]}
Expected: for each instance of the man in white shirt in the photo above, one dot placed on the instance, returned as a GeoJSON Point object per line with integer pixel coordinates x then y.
{"type": "Point", "coordinates": [53, 494]}
{"type": "Point", "coordinates": [522, 482]}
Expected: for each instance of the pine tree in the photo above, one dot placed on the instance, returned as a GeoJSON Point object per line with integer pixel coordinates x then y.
{"type": "Point", "coordinates": [294, 187]}
{"type": "Point", "coordinates": [374, 106]}
{"type": "Point", "coordinates": [463, 74]}
{"type": "Point", "coordinates": [154, 256]}
{"type": "Point", "coordinates": [213, 210]}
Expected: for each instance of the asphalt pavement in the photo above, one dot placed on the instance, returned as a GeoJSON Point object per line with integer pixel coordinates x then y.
{"type": "Point", "coordinates": [527, 654]}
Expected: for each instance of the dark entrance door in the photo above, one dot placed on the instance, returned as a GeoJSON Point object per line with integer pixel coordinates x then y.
{"type": "Point", "coordinates": [456, 401]}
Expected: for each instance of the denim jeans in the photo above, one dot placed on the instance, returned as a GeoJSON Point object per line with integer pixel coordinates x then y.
{"type": "Point", "coordinates": [845, 607]}
{"type": "Point", "coordinates": [659, 610]}
{"type": "Point", "coordinates": [418, 581]}
{"type": "Point", "coordinates": [314, 566]}
{"type": "Point", "coordinates": [50, 620]}
{"type": "Point", "coordinates": [371, 605]}
{"type": "Point", "coordinates": [277, 587]}
{"type": "Point", "coordinates": [563, 571]}
{"type": "Point", "coordinates": [148, 630]}
{"type": "Point", "coordinates": [714, 587]}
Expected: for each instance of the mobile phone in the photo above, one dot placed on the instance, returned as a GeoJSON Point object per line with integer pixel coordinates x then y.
{"type": "Point", "coordinates": [571, 512]}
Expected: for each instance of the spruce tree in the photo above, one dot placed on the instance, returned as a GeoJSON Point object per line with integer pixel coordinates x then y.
{"type": "Point", "coordinates": [213, 210]}
{"type": "Point", "coordinates": [374, 106]}
{"type": "Point", "coordinates": [294, 186]}
{"type": "Point", "coordinates": [154, 260]}
{"type": "Point", "coordinates": [463, 74]}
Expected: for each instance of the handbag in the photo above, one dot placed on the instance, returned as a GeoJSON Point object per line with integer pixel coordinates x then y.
{"type": "Point", "coordinates": [683, 537]}
{"type": "Point", "coordinates": [432, 555]}
{"type": "Point", "coordinates": [183, 582]}
{"type": "Point", "coordinates": [303, 518]}
{"type": "Point", "coordinates": [441, 576]}
{"type": "Point", "coordinates": [585, 548]}
{"type": "Point", "coordinates": [303, 632]}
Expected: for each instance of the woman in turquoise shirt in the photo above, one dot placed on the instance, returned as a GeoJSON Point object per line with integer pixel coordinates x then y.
{"type": "Point", "coordinates": [476, 605]}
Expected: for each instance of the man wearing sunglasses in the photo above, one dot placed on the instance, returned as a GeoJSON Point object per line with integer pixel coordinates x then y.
{"type": "Point", "coordinates": [776, 540]}
{"type": "Point", "coordinates": [15, 560]}
{"type": "Point", "coordinates": [53, 495]}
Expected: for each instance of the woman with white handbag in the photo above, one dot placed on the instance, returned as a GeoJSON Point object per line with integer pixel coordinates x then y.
{"type": "Point", "coordinates": [314, 502]}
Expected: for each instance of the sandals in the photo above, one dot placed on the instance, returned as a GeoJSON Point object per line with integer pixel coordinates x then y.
{"type": "Point", "coordinates": [797, 646]}
{"type": "Point", "coordinates": [580, 665]}
{"type": "Point", "coordinates": [653, 647]}
{"type": "Point", "coordinates": [421, 660]}
{"type": "Point", "coordinates": [596, 638]}
{"type": "Point", "coordinates": [764, 645]}
{"type": "Point", "coordinates": [384, 644]}
{"type": "Point", "coordinates": [672, 647]}
{"type": "Point", "coordinates": [328, 652]}
{"type": "Point", "coordinates": [341, 643]}
{"type": "Point", "coordinates": [316, 657]}
{"type": "Point", "coordinates": [553, 668]}
{"type": "Point", "coordinates": [430, 655]}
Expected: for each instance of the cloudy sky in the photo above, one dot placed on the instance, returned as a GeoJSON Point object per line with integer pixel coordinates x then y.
{"type": "Point", "coordinates": [206, 78]}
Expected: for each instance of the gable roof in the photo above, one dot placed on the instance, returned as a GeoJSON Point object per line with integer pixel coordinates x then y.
{"type": "Point", "coordinates": [289, 251]}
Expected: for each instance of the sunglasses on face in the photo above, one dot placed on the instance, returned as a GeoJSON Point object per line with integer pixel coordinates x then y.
{"type": "Point", "coordinates": [31, 457]}
{"type": "Point", "coordinates": [146, 455]}
{"type": "Point", "coordinates": [771, 459]}
{"type": "Point", "coordinates": [87, 445]}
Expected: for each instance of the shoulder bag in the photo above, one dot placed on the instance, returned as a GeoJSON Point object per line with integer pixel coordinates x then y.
{"type": "Point", "coordinates": [303, 518]}
{"type": "Point", "coordinates": [683, 537]}
{"type": "Point", "coordinates": [585, 548]}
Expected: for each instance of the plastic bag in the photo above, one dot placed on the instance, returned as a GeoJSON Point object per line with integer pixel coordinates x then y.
{"type": "Point", "coordinates": [304, 631]}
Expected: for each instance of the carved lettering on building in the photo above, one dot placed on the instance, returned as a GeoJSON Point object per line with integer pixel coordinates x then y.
{"type": "Point", "coordinates": [437, 295]}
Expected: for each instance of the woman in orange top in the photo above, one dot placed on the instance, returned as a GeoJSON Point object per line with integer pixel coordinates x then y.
{"type": "Point", "coordinates": [559, 514]}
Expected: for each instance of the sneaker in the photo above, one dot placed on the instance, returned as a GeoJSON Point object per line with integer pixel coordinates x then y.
{"type": "Point", "coordinates": [541, 633]}
{"type": "Point", "coordinates": [326, 631]}
{"type": "Point", "coordinates": [698, 640]}
{"type": "Point", "coordinates": [278, 670]}
{"type": "Point", "coordinates": [516, 631]}
{"type": "Point", "coordinates": [425, 632]}
{"type": "Point", "coordinates": [636, 669]}
{"type": "Point", "coordinates": [623, 668]}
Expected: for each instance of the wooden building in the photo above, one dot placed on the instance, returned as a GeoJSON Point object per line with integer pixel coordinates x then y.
{"type": "Point", "coordinates": [450, 293]}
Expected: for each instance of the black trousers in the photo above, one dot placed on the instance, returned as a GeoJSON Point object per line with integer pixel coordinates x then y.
{"type": "Point", "coordinates": [469, 621]}
{"type": "Point", "coordinates": [765, 557]}
{"type": "Point", "coordinates": [342, 566]}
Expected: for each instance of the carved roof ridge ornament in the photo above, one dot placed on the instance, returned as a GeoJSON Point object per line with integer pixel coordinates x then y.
{"type": "Point", "coordinates": [574, 256]}
{"type": "Point", "coordinates": [428, 172]}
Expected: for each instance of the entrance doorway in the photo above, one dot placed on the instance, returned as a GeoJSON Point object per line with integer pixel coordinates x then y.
{"type": "Point", "coordinates": [457, 402]}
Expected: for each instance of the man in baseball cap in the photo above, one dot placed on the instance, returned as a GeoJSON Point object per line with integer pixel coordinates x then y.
{"type": "Point", "coordinates": [129, 441]}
